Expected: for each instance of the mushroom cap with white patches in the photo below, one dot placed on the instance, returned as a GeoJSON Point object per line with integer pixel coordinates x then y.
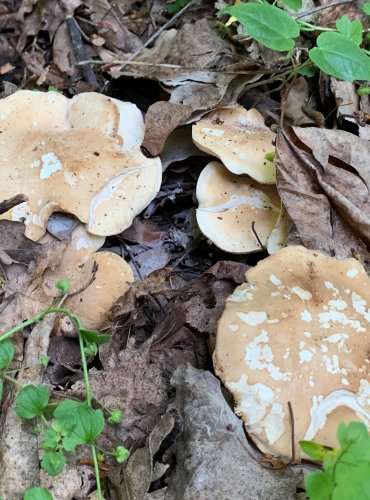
{"type": "Point", "coordinates": [240, 139]}
{"type": "Point", "coordinates": [301, 336]}
{"type": "Point", "coordinates": [100, 278]}
{"type": "Point", "coordinates": [80, 156]}
{"type": "Point", "coordinates": [228, 206]}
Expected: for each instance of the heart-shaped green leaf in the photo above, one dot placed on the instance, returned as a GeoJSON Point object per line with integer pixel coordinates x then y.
{"type": "Point", "coordinates": [31, 401]}
{"type": "Point", "coordinates": [338, 56]}
{"type": "Point", "coordinates": [267, 24]}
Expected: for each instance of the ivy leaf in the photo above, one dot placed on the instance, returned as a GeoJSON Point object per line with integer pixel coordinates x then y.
{"type": "Point", "coordinates": [31, 401]}
{"type": "Point", "coordinates": [293, 4]}
{"type": "Point", "coordinates": [89, 423]}
{"type": "Point", "coordinates": [319, 485]}
{"type": "Point", "coordinates": [93, 336]}
{"type": "Point", "coordinates": [350, 29]}
{"type": "Point", "coordinates": [338, 56]}
{"type": "Point", "coordinates": [267, 24]}
{"type": "Point", "coordinates": [53, 462]}
{"type": "Point", "coordinates": [6, 353]}
{"type": "Point", "coordinates": [37, 494]}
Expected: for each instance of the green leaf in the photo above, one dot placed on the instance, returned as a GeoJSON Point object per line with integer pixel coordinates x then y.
{"type": "Point", "coordinates": [338, 56]}
{"type": "Point", "coordinates": [308, 71]}
{"type": "Point", "coordinates": [50, 441]}
{"type": "Point", "coordinates": [44, 361]}
{"type": "Point", "coordinates": [91, 349]}
{"type": "Point", "coordinates": [31, 401]}
{"type": "Point", "coordinates": [176, 6]}
{"type": "Point", "coordinates": [63, 285]}
{"type": "Point", "coordinates": [366, 8]}
{"type": "Point", "coordinates": [89, 423]}
{"type": "Point", "coordinates": [115, 417]}
{"type": "Point", "coordinates": [346, 473]}
{"type": "Point", "coordinates": [319, 486]}
{"type": "Point", "coordinates": [293, 4]}
{"type": "Point", "coordinates": [37, 494]}
{"type": "Point", "coordinates": [53, 462]}
{"type": "Point", "coordinates": [363, 90]}
{"type": "Point", "coordinates": [267, 24]}
{"type": "Point", "coordinates": [122, 454]}
{"type": "Point", "coordinates": [1, 389]}
{"type": "Point", "coordinates": [93, 336]}
{"type": "Point", "coordinates": [350, 29]}
{"type": "Point", "coordinates": [6, 353]}
{"type": "Point", "coordinates": [316, 451]}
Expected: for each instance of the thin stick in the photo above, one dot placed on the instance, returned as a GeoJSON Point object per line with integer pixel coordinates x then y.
{"type": "Point", "coordinates": [322, 7]}
{"type": "Point", "coordinates": [256, 235]}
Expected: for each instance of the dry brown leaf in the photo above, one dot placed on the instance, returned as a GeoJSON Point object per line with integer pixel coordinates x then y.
{"type": "Point", "coordinates": [324, 180]}
{"type": "Point", "coordinates": [161, 119]}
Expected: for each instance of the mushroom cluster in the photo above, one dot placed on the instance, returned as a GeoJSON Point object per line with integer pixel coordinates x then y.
{"type": "Point", "coordinates": [238, 202]}
{"type": "Point", "coordinates": [296, 333]}
{"type": "Point", "coordinates": [81, 156]}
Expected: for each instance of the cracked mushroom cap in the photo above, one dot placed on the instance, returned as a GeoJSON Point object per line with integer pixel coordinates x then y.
{"type": "Point", "coordinates": [80, 156]}
{"type": "Point", "coordinates": [240, 139]}
{"type": "Point", "coordinates": [99, 278]}
{"type": "Point", "coordinates": [230, 206]}
{"type": "Point", "coordinates": [298, 332]}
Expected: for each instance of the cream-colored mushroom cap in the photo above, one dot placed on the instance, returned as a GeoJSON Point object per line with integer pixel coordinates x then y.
{"type": "Point", "coordinates": [240, 139]}
{"type": "Point", "coordinates": [99, 278]}
{"type": "Point", "coordinates": [298, 332]}
{"type": "Point", "coordinates": [79, 155]}
{"type": "Point", "coordinates": [230, 206]}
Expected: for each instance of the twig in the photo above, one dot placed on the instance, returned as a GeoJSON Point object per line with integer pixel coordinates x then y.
{"type": "Point", "coordinates": [322, 7]}
{"type": "Point", "coordinates": [80, 51]}
{"type": "Point", "coordinates": [161, 29]}
{"type": "Point", "coordinates": [117, 62]}
{"type": "Point", "coordinates": [257, 237]}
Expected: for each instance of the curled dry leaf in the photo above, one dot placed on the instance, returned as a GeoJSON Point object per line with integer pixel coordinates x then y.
{"type": "Point", "coordinates": [324, 180]}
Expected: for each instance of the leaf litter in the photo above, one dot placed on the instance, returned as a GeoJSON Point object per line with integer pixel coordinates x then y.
{"type": "Point", "coordinates": [157, 368]}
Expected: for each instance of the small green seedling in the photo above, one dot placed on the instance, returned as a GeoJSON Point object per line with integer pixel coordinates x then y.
{"type": "Point", "coordinates": [66, 425]}
{"type": "Point", "coordinates": [176, 6]}
{"type": "Point", "coordinates": [346, 470]}
{"type": "Point", "coordinates": [337, 52]}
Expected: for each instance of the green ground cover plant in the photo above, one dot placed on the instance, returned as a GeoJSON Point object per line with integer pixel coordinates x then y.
{"type": "Point", "coordinates": [340, 52]}
{"type": "Point", "coordinates": [346, 470]}
{"type": "Point", "coordinates": [70, 423]}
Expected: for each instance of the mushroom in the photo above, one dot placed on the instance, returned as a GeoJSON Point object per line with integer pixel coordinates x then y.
{"type": "Point", "coordinates": [297, 332]}
{"type": "Point", "coordinates": [236, 213]}
{"type": "Point", "coordinates": [240, 139]}
{"type": "Point", "coordinates": [97, 279]}
{"type": "Point", "coordinates": [80, 156]}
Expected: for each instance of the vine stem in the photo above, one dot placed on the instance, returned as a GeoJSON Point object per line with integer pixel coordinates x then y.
{"type": "Point", "coordinates": [97, 473]}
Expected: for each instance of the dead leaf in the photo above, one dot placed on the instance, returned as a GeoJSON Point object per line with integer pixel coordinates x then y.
{"type": "Point", "coordinates": [178, 146]}
{"type": "Point", "coordinates": [161, 119]}
{"type": "Point", "coordinates": [323, 180]}
{"type": "Point", "coordinates": [212, 454]}
{"type": "Point", "coordinates": [298, 95]}
{"type": "Point", "coordinates": [194, 76]}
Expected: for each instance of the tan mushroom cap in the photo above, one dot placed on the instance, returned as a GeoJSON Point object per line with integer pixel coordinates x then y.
{"type": "Point", "coordinates": [228, 206]}
{"type": "Point", "coordinates": [68, 155]}
{"type": "Point", "coordinates": [111, 279]}
{"type": "Point", "coordinates": [298, 332]}
{"type": "Point", "coordinates": [240, 139]}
